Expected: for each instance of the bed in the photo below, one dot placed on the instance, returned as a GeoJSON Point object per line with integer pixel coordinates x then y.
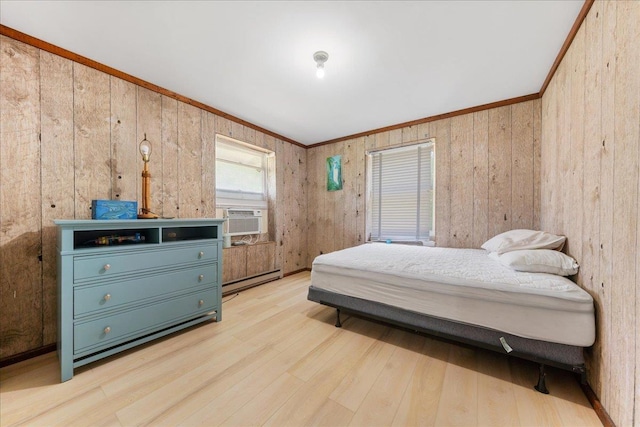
{"type": "Point", "coordinates": [463, 295]}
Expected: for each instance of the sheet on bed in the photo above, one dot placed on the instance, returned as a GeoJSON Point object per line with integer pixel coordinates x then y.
{"type": "Point", "coordinates": [462, 285]}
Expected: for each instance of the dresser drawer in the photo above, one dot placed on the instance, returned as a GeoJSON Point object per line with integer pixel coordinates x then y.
{"type": "Point", "coordinates": [93, 299]}
{"type": "Point", "coordinates": [112, 330]}
{"type": "Point", "coordinates": [105, 265]}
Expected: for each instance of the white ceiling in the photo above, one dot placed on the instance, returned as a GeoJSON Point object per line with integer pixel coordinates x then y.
{"type": "Point", "coordinates": [389, 62]}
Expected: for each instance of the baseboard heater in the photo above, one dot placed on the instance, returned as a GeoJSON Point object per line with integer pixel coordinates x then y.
{"type": "Point", "coordinates": [249, 282]}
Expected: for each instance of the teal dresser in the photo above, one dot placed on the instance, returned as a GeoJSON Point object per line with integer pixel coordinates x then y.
{"type": "Point", "coordinates": [122, 283]}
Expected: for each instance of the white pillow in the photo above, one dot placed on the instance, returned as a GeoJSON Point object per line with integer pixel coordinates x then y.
{"type": "Point", "coordinates": [516, 240]}
{"type": "Point", "coordinates": [540, 261]}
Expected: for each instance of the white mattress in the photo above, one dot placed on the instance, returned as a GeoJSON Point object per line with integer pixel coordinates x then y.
{"type": "Point", "coordinates": [463, 285]}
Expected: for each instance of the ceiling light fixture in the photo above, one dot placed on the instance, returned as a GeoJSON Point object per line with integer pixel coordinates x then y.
{"type": "Point", "coordinates": [320, 57]}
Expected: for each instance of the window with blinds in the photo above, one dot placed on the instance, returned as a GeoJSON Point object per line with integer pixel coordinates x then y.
{"type": "Point", "coordinates": [241, 174]}
{"type": "Point", "coordinates": [401, 205]}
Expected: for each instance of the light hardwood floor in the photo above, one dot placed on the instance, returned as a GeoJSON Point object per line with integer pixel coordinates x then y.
{"type": "Point", "coordinates": [276, 359]}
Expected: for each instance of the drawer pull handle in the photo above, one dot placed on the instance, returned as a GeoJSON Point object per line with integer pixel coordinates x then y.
{"type": "Point", "coordinates": [200, 303]}
{"type": "Point", "coordinates": [107, 297]}
{"type": "Point", "coordinates": [200, 277]}
{"type": "Point", "coordinates": [107, 266]}
{"type": "Point", "coordinates": [201, 254]}
{"type": "Point", "coordinates": [107, 329]}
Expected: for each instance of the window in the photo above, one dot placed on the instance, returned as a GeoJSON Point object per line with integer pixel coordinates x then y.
{"type": "Point", "coordinates": [241, 174]}
{"type": "Point", "coordinates": [401, 193]}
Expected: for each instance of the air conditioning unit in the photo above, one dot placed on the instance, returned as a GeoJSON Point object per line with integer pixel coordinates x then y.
{"type": "Point", "coordinates": [242, 222]}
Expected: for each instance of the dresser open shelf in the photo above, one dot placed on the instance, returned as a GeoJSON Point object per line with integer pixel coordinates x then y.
{"type": "Point", "coordinates": [122, 283]}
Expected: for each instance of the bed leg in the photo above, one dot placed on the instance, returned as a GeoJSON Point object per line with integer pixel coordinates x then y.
{"type": "Point", "coordinates": [338, 324]}
{"type": "Point", "coordinates": [542, 385]}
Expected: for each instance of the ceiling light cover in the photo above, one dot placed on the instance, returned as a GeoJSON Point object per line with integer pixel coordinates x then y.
{"type": "Point", "coordinates": [320, 57]}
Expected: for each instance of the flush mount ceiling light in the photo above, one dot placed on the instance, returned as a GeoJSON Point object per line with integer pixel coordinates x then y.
{"type": "Point", "coordinates": [320, 57]}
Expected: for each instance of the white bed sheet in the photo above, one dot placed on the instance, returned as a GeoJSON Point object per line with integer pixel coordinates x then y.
{"type": "Point", "coordinates": [463, 285]}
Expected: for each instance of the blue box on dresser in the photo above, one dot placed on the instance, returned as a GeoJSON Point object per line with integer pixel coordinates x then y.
{"type": "Point", "coordinates": [114, 209]}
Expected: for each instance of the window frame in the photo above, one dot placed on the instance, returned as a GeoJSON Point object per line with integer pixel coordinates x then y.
{"type": "Point", "coordinates": [369, 154]}
{"type": "Point", "coordinates": [225, 198]}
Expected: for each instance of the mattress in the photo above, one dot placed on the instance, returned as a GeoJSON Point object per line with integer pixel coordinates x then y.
{"type": "Point", "coordinates": [461, 285]}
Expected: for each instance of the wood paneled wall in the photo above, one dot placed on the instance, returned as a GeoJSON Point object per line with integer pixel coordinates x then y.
{"type": "Point", "coordinates": [70, 134]}
{"type": "Point", "coordinates": [487, 178]}
{"type": "Point", "coordinates": [590, 182]}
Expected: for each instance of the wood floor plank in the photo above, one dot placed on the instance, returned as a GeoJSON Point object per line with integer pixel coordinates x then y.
{"type": "Point", "coordinates": [235, 382]}
{"type": "Point", "coordinates": [204, 377]}
{"type": "Point", "coordinates": [459, 400]}
{"type": "Point", "coordinates": [354, 387]}
{"type": "Point", "coordinates": [419, 405]}
{"type": "Point", "coordinates": [265, 403]}
{"type": "Point", "coordinates": [279, 361]}
{"type": "Point", "coordinates": [335, 361]}
{"type": "Point", "coordinates": [496, 400]}
{"type": "Point", "coordinates": [383, 399]}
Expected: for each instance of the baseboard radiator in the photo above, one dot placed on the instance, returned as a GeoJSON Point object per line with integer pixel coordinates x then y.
{"type": "Point", "coordinates": [249, 282]}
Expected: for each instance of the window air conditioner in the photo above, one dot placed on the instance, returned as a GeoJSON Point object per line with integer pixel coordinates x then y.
{"type": "Point", "coordinates": [242, 222]}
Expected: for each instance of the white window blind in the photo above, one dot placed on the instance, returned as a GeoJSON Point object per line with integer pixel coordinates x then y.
{"type": "Point", "coordinates": [241, 174]}
{"type": "Point", "coordinates": [402, 196]}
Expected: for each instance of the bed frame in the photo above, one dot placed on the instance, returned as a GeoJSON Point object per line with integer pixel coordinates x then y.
{"type": "Point", "coordinates": [544, 353]}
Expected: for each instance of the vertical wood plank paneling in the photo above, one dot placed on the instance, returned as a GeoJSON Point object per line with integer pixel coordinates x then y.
{"type": "Point", "coordinates": [522, 165]}
{"type": "Point", "coordinates": [549, 158]}
{"type": "Point", "coordinates": [625, 205]}
{"type": "Point", "coordinates": [223, 126]}
{"type": "Point", "coordinates": [564, 147]}
{"type": "Point", "coordinates": [189, 161]}
{"type": "Point", "coordinates": [312, 205]}
{"type": "Point", "coordinates": [326, 224]}
{"type": "Point", "coordinates": [278, 213]}
{"type": "Point", "coordinates": [395, 137]}
{"type": "Point", "coordinates": [249, 135]}
{"type": "Point", "coordinates": [149, 123]}
{"type": "Point", "coordinates": [208, 165]}
{"type": "Point", "coordinates": [234, 263]}
{"type": "Point", "coordinates": [537, 156]}
{"type": "Point", "coordinates": [369, 144]}
{"type": "Point", "coordinates": [337, 199]}
{"type": "Point", "coordinates": [260, 258]}
{"type": "Point", "coordinates": [382, 140]}
{"type": "Point", "coordinates": [461, 229]}
{"type": "Point", "coordinates": [296, 210]}
{"type": "Point", "coordinates": [92, 137]}
{"type": "Point", "coordinates": [288, 216]}
{"type": "Point", "coordinates": [590, 262]}
{"type": "Point", "coordinates": [359, 153]}
{"type": "Point", "coordinates": [596, 92]}
{"type": "Point", "coordinates": [499, 170]}
{"type": "Point", "coordinates": [272, 196]}
{"type": "Point", "coordinates": [302, 212]}
{"type": "Point", "coordinates": [350, 190]}
{"type": "Point", "coordinates": [20, 218]}
{"type": "Point", "coordinates": [573, 217]}
{"type": "Point", "coordinates": [124, 141]}
{"type": "Point", "coordinates": [409, 134]}
{"type": "Point", "coordinates": [56, 101]}
{"type": "Point", "coordinates": [316, 208]}
{"type": "Point", "coordinates": [442, 130]}
{"type": "Point", "coordinates": [237, 131]}
{"type": "Point", "coordinates": [169, 138]}
{"type": "Point", "coordinates": [606, 193]}
{"type": "Point", "coordinates": [480, 178]}
{"type": "Point", "coordinates": [260, 139]}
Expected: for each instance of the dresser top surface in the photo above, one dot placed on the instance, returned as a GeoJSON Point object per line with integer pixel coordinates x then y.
{"type": "Point", "coordinates": [100, 223]}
